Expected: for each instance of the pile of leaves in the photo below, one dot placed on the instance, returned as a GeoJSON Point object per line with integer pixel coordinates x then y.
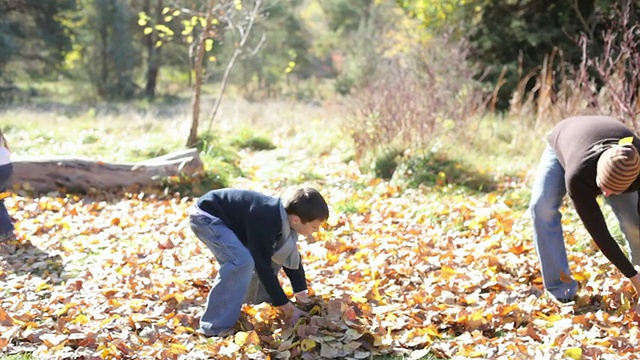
{"type": "Point", "coordinates": [425, 273]}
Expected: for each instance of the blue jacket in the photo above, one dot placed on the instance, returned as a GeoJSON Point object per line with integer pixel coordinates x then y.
{"type": "Point", "coordinates": [255, 219]}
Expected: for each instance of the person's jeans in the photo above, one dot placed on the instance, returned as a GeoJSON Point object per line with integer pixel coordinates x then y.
{"type": "Point", "coordinates": [6, 226]}
{"type": "Point", "coordinates": [227, 294]}
{"type": "Point", "coordinates": [546, 199]}
{"type": "Point", "coordinates": [625, 208]}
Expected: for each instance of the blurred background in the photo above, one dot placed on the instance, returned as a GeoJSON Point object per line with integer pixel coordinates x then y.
{"type": "Point", "coordinates": [403, 79]}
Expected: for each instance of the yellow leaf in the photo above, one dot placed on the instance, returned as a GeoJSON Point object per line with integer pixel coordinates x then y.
{"type": "Point", "coordinates": [307, 345]}
{"type": "Point", "coordinates": [43, 286]}
{"type": "Point", "coordinates": [136, 304]}
{"type": "Point", "coordinates": [627, 140]}
{"type": "Point", "coordinates": [178, 349]}
{"type": "Point", "coordinates": [300, 322]}
{"type": "Point", "coordinates": [573, 353]}
{"type": "Point", "coordinates": [315, 311]}
{"type": "Point", "coordinates": [582, 276]}
{"type": "Point", "coordinates": [109, 319]}
{"type": "Point", "coordinates": [625, 303]}
{"type": "Point", "coordinates": [476, 319]}
{"type": "Point", "coordinates": [551, 318]}
{"type": "Point", "coordinates": [80, 319]}
{"type": "Point", "coordinates": [184, 329]}
{"type": "Point", "coordinates": [63, 310]}
{"type": "Point", "coordinates": [241, 338]}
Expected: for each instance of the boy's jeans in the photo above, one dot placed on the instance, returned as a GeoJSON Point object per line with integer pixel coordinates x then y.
{"type": "Point", "coordinates": [227, 295]}
{"type": "Point", "coordinates": [546, 199]}
{"type": "Point", "coordinates": [6, 227]}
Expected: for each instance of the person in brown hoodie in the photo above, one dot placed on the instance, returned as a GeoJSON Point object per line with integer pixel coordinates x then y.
{"type": "Point", "coordinates": [587, 156]}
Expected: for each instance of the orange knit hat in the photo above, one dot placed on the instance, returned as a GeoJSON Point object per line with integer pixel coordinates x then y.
{"type": "Point", "coordinates": [618, 167]}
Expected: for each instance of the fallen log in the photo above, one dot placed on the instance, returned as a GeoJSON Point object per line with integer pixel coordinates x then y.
{"type": "Point", "coordinates": [45, 174]}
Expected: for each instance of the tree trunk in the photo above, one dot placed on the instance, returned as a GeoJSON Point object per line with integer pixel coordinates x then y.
{"type": "Point", "coordinates": [192, 140]}
{"type": "Point", "coordinates": [153, 53]}
{"type": "Point", "coordinates": [46, 174]}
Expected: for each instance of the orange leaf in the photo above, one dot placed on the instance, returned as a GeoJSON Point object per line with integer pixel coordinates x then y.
{"type": "Point", "coordinates": [5, 319]}
{"type": "Point", "coordinates": [565, 278]}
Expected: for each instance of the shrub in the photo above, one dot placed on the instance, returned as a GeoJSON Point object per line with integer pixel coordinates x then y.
{"type": "Point", "coordinates": [386, 162]}
{"type": "Point", "coordinates": [248, 140]}
{"type": "Point", "coordinates": [412, 98]}
{"type": "Point", "coordinates": [606, 83]}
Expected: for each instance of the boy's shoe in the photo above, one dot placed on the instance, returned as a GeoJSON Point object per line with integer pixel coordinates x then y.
{"type": "Point", "coordinates": [4, 238]}
{"type": "Point", "coordinates": [567, 300]}
{"type": "Point", "coordinates": [220, 334]}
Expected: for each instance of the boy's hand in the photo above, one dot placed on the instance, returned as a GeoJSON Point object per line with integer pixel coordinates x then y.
{"type": "Point", "coordinates": [291, 313]}
{"type": "Point", "coordinates": [302, 297]}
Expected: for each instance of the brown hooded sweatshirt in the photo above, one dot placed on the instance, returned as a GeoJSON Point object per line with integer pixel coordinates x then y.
{"type": "Point", "coordinates": [578, 143]}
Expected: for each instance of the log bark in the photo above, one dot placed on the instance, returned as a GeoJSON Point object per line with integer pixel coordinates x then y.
{"type": "Point", "coordinates": [45, 174]}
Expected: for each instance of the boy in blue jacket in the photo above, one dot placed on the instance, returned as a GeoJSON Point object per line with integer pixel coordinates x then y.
{"type": "Point", "coordinates": [248, 231]}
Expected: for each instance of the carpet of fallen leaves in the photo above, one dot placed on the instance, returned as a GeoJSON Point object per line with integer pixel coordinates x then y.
{"type": "Point", "coordinates": [424, 273]}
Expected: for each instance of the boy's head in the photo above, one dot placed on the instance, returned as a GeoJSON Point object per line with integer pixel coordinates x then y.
{"type": "Point", "coordinates": [307, 210]}
{"type": "Point", "coordinates": [617, 168]}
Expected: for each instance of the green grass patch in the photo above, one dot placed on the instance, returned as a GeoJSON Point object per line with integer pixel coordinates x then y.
{"type": "Point", "coordinates": [437, 169]}
{"type": "Point", "coordinates": [349, 207]}
{"type": "Point", "coordinates": [119, 134]}
{"type": "Point", "coordinates": [505, 146]}
{"type": "Point", "coordinates": [486, 154]}
{"type": "Point", "coordinates": [247, 139]}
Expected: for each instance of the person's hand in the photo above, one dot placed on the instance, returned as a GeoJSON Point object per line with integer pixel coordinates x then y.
{"type": "Point", "coordinates": [635, 280]}
{"type": "Point", "coordinates": [636, 308]}
{"type": "Point", "coordinates": [302, 297]}
{"type": "Point", "coordinates": [291, 313]}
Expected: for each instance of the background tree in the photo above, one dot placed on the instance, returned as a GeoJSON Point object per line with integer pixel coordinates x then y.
{"type": "Point", "coordinates": [355, 40]}
{"type": "Point", "coordinates": [203, 26]}
{"type": "Point", "coordinates": [32, 37]}
{"type": "Point", "coordinates": [287, 44]}
{"type": "Point", "coordinates": [103, 47]}
{"type": "Point", "coordinates": [154, 10]}
{"type": "Point", "coordinates": [513, 38]}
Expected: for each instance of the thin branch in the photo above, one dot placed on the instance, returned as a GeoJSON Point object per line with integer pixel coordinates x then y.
{"type": "Point", "coordinates": [225, 78]}
{"type": "Point", "coordinates": [588, 29]}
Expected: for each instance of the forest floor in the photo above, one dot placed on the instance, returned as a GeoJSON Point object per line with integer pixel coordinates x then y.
{"type": "Point", "coordinates": [433, 272]}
